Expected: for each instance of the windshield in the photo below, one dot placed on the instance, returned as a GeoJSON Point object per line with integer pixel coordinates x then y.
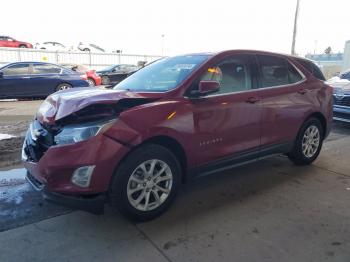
{"type": "Point", "coordinates": [162, 75]}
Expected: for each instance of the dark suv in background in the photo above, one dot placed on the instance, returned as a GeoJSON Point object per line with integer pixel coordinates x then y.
{"type": "Point", "coordinates": [172, 120]}
{"type": "Point", "coordinates": [114, 74]}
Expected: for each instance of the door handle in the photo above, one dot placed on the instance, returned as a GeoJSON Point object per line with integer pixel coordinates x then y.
{"type": "Point", "coordinates": [302, 91]}
{"type": "Point", "coordinates": [252, 100]}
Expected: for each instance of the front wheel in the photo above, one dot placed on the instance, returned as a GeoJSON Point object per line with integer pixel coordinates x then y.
{"type": "Point", "coordinates": [308, 143]}
{"type": "Point", "coordinates": [146, 183]}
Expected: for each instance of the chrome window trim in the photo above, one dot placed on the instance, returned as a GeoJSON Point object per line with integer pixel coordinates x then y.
{"type": "Point", "coordinates": [292, 84]}
{"type": "Point", "coordinates": [260, 88]}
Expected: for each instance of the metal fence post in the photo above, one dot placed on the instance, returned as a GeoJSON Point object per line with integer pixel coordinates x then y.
{"type": "Point", "coordinates": [19, 55]}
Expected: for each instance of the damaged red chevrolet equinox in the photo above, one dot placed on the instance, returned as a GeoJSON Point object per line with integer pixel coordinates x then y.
{"type": "Point", "coordinates": [174, 119]}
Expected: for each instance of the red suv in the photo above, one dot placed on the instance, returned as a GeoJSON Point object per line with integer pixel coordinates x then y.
{"type": "Point", "coordinates": [172, 120]}
{"type": "Point", "coordinates": [6, 41]}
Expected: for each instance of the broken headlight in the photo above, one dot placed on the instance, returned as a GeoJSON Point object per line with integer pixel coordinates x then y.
{"type": "Point", "coordinates": [79, 132]}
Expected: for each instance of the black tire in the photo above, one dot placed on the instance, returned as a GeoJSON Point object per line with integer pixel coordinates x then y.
{"type": "Point", "coordinates": [86, 50]}
{"type": "Point", "coordinates": [22, 46]}
{"type": "Point", "coordinates": [63, 86]}
{"type": "Point", "coordinates": [91, 82]}
{"type": "Point", "coordinates": [105, 80]}
{"type": "Point", "coordinates": [297, 156]}
{"type": "Point", "coordinates": [119, 185]}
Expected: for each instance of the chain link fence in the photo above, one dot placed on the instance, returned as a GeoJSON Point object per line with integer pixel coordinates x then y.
{"type": "Point", "coordinates": [94, 60]}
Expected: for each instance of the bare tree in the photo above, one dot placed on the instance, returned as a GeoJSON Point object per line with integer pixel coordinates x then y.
{"type": "Point", "coordinates": [328, 50]}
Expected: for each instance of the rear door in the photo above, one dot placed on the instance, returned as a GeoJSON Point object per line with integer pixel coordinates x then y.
{"type": "Point", "coordinates": [284, 101]}
{"type": "Point", "coordinates": [15, 81]}
{"type": "Point", "coordinates": [45, 78]}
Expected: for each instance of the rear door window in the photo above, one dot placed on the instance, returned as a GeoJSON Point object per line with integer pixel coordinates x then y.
{"type": "Point", "coordinates": [41, 69]}
{"type": "Point", "coordinates": [18, 69]}
{"type": "Point", "coordinates": [277, 71]}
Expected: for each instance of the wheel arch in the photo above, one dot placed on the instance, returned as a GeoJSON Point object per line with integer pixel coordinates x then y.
{"type": "Point", "coordinates": [321, 118]}
{"type": "Point", "coordinates": [169, 143]}
{"type": "Point", "coordinates": [173, 146]}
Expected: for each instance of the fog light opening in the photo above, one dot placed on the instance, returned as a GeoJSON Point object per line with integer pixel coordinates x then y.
{"type": "Point", "coordinates": [82, 176]}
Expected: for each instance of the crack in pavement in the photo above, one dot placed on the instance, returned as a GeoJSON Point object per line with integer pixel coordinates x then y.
{"type": "Point", "coordinates": [152, 243]}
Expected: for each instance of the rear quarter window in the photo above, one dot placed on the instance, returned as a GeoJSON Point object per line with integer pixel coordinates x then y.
{"type": "Point", "coordinates": [277, 71]}
{"type": "Point", "coordinates": [312, 68]}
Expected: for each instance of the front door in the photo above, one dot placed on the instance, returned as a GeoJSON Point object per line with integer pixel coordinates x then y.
{"type": "Point", "coordinates": [227, 123]}
{"type": "Point", "coordinates": [15, 81]}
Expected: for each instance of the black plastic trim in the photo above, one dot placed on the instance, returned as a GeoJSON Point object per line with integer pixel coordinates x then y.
{"type": "Point", "coordinates": [92, 204]}
{"type": "Point", "coordinates": [241, 159]}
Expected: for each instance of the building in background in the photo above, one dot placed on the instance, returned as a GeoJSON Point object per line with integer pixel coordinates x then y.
{"type": "Point", "coordinates": [346, 59]}
{"type": "Point", "coordinates": [332, 64]}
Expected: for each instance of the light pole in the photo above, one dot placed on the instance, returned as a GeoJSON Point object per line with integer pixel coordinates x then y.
{"type": "Point", "coordinates": [162, 44]}
{"type": "Point", "coordinates": [295, 27]}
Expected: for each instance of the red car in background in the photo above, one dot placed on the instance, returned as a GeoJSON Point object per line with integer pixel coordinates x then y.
{"type": "Point", "coordinates": [6, 41]}
{"type": "Point", "coordinates": [86, 73]}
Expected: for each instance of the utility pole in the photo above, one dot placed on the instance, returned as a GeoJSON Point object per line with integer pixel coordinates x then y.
{"type": "Point", "coordinates": [295, 28]}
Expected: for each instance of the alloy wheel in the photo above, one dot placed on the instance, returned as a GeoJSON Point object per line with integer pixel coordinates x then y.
{"type": "Point", "coordinates": [311, 141]}
{"type": "Point", "coordinates": [149, 185]}
{"type": "Point", "coordinates": [91, 82]}
{"type": "Point", "coordinates": [64, 87]}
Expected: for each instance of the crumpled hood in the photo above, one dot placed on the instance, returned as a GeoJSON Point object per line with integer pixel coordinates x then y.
{"type": "Point", "coordinates": [64, 103]}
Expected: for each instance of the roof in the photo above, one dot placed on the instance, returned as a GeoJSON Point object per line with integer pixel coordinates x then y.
{"type": "Point", "coordinates": [247, 51]}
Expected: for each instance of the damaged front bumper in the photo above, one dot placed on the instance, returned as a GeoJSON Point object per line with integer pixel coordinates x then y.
{"type": "Point", "coordinates": [93, 204]}
{"type": "Point", "coordinates": [50, 169]}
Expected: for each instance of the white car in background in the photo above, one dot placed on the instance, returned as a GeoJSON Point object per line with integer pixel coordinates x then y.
{"type": "Point", "coordinates": [341, 80]}
{"type": "Point", "coordinates": [52, 46]}
{"type": "Point", "coordinates": [90, 48]}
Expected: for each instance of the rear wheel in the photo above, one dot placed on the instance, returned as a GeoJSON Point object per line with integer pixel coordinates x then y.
{"type": "Point", "coordinates": [63, 87]}
{"type": "Point", "coordinates": [91, 82]}
{"type": "Point", "coordinates": [22, 46]}
{"type": "Point", "coordinates": [86, 50]}
{"type": "Point", "coordinates": [146, 183]}
{"type": "Point", "coordinates": [308, 143]}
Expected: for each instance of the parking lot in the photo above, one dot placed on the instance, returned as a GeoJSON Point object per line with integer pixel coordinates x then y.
{"type": "Point", "coordinates": [267, 211]}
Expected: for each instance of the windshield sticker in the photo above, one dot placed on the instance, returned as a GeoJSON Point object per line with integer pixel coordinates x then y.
{"type": "Point", "coordinates": [184, 66]}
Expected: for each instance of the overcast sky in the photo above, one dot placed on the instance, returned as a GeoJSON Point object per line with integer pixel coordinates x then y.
{"type": "Point", "coordinates": [187, 25]}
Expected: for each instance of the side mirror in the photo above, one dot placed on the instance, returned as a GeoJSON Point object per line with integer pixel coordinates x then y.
{"type": "Point", "coordinates": [205, 88]}
{"type": "Point", "coordinates": [1, 74]}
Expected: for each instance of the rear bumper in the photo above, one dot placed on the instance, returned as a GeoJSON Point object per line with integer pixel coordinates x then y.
{"type": "Point", "coordinates": [93, 204]}
{"type": "Point", "coordinates": [341, 113]}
